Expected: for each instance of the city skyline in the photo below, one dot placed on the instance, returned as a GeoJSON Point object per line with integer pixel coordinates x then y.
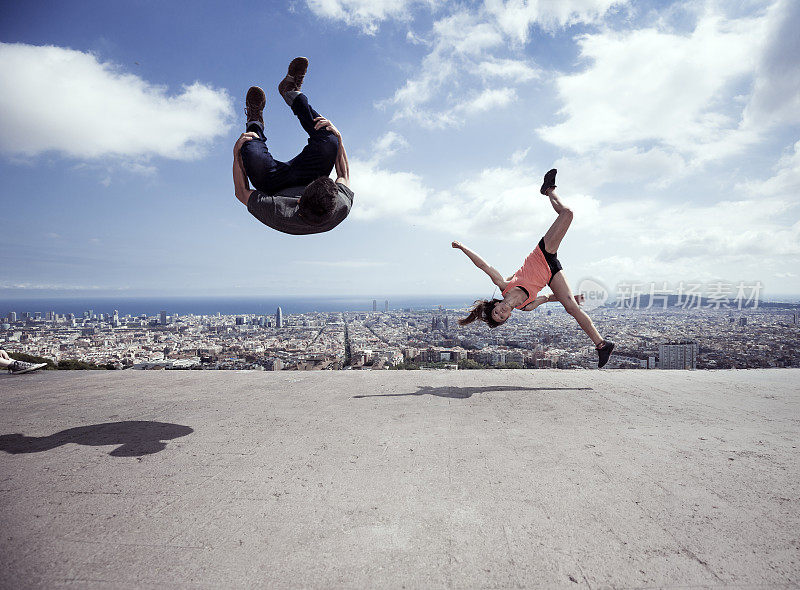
{"type": "Point", "coordinates": [674, 338]}
{"type": "Point", "coordinates": [674, 126]}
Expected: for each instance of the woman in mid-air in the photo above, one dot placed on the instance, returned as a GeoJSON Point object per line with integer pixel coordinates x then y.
{"type": "Point", "coordinates": [540, 268]}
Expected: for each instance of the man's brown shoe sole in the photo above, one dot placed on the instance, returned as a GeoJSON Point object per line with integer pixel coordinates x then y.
{"type": "Point", "coordinates": [255, 101]}
{"type": "Point", "coordinates": [294, 76]}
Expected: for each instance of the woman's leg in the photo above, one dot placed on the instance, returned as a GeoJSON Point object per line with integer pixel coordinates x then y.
{"type": "Point", "coordinates": [5, 360]}
{"type": "Point", "coordinates": [562, 291]}
{"type": "Point", "coordinates": [554, 235]}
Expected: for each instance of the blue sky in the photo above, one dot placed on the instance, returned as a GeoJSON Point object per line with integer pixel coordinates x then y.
{"type": "Point", "coordinates": [674, 126]}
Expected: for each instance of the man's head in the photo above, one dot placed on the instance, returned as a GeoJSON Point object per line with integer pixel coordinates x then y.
{"type": "Point", "coordinates": [318, 200]}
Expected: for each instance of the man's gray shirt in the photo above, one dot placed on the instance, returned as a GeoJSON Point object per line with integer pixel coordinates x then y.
{"type": "Point", "coordinates": [280, 211]}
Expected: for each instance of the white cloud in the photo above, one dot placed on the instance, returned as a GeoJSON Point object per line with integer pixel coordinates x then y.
{"type": "Point", "coordinates": [754, 234]}
{"type": "Point", "coordinates": [653, 168]}
{"type": "Point", "coordinates": [383, 193]}
{"type": "Point", "coordinates": [647, 239]}
{"type": "Point", "coordinates": [649, 106]}
{"type": "Point", "coordinates": [509, 69]}
{"type": "Point", "coordinates": [459, 39]}
{"type": "Point", "coordinates": [499, 202]}
{"type": "Point", "coordinates": [784, 183]}
{"type": "Point", "coordinates": [650, 85]}
{"type": "Point", "coordinates": [487, 100]}
{"type": "Point", "coordinates": [515, 17]}
{"type": "Point", "coordinates": [472, 47]}
{"type": "Point", "coordinates": [365, 14]}
{"type": "Point", "coordinates": [776, 90]}
{"type": "Point", "coordinates": [388, 144]}
{"type": "Point", "coordinates": [469, 52]}
{"type": "Point", "coordinates": [466, 33]}
{"type": "Point", "coordinates": [737, 239]}
{"type": "Point", "coordinates": [519, 155]}
{"type": "Point", "coordinates": [55, 287]}
{"type": "Point", "coordinates": [63, 100]}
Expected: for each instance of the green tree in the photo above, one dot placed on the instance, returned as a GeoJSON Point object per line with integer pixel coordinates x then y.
{"type": "Point", "coordinates": [76, 365]}
{"type": "Point", "coordinates": [510, 366]}
{"type": "Point", "coordinates": [408, 365]}
{"type": "Point", "coordinates": [470, 364]}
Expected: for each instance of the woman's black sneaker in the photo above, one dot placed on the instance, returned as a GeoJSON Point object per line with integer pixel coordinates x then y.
{"type": "Point", "coordinates": [604, 352]}
{"type": "Point", "coordinates": [549, 181]}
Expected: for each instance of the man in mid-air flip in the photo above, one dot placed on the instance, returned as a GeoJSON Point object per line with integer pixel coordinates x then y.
{"type": "Point", "coordinates": [295, 197]}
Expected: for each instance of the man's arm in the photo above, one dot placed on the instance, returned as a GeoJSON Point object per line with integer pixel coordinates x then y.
{"type": "Point", "coordinates": [496, 277]}
{"type": "Point", "coordinates": [240, 184]}
{"type": "Point", "coordinates": [341, 164]}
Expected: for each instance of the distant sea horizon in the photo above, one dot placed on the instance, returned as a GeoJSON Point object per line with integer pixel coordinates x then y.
{"type": "Point", "coordinates": [212, 305]}
{"type": "Point", "coordinates": [225, 305]}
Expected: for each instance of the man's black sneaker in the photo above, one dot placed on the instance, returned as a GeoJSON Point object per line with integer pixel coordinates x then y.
{"type": "Point", "coordinates": [255, 101]}
{"type": "Point", "coordinates": [549, 181]}
{"type": "Point", "coordinates": [604, 352]}
{"type": "Point", "coordinates": [295, 75]}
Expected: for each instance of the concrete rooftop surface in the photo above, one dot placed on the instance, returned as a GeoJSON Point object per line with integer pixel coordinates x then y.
{"type": "Point", "coordinates": [400, 479]}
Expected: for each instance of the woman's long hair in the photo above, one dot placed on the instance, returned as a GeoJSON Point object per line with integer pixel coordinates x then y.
{"type": "Point", "coordinates": [482, 311]}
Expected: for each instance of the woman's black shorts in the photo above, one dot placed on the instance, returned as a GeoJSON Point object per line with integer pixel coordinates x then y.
{"type": "Point", "coordinates": [552, 260]}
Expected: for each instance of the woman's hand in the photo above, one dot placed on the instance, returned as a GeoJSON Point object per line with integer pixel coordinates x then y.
{"type": "Point", "coordinates": [244, 137]}
{"type": "Point", "coordinates": [457, 245]}
{"type": "Point", "coordinates": [579, 298]}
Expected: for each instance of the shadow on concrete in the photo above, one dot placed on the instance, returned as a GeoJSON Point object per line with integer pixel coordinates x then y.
{"type": "Point", "coordinates": [467, 392]}
{"type": "Point", "coordinates": [135, 437]}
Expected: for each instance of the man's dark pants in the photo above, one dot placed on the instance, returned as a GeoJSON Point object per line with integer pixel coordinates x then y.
{"type": "Point", "coordinates": [270, 175]}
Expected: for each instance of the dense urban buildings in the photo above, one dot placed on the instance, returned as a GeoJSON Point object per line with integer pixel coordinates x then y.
{"type": "Point", "coordinates": [668, 338]}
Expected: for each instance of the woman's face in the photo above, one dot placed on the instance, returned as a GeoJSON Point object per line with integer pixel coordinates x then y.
{"type": "Point", "coordinates": [501, 312]}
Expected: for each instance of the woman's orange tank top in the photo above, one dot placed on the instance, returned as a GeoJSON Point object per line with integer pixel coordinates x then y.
{"type": "Point", "coordinates": [532, 276]}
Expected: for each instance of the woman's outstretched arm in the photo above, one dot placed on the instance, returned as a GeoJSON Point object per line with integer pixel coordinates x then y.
{"type": "Point", "coordinates": [496, 277]}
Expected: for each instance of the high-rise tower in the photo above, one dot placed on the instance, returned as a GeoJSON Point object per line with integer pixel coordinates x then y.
{"type": "Point", "coordinates": [677, 355]}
